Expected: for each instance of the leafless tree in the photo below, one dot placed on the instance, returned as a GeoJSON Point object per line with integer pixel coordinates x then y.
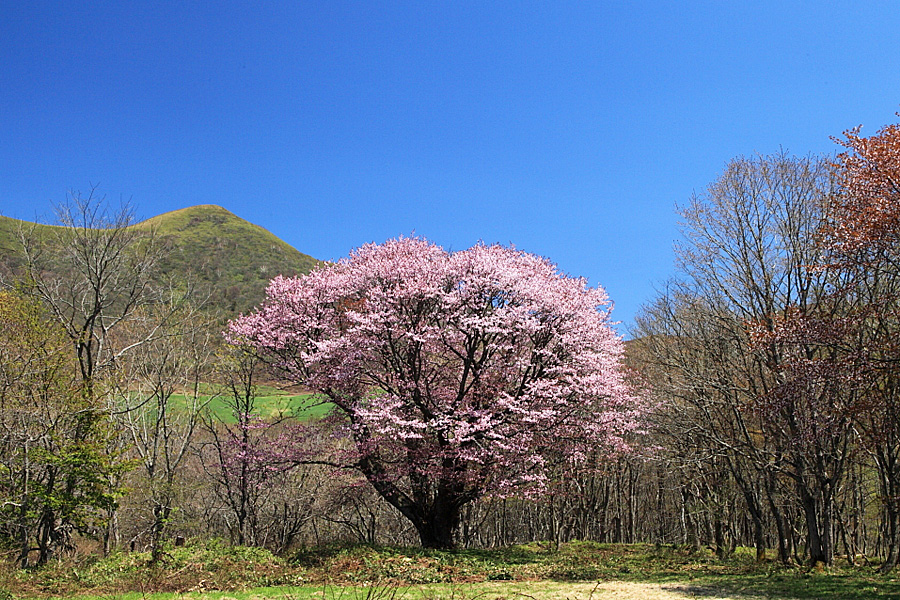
{"type": "Point", "coordinates": [749, 243]}
{"type": "Point", "coordinates": [162, 393]}
{"type": "Point", "coordinates": [92, 271]}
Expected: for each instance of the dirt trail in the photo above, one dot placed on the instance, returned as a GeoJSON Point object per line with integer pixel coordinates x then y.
{"type": "Point", "coordinates": [610, 590]}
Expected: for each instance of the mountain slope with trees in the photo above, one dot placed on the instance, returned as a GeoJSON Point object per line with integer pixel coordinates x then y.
{"type": "Point", "coordinates": [232, 258]}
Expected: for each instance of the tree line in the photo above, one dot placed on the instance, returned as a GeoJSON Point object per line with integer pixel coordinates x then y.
{"type": "Point", "coordinates": [774, 352]}
{"type": "Point", "coordinates": [481, 398]}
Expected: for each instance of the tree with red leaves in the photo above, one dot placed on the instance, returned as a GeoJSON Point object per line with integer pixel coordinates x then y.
{"type": "Point", "coordinates": [863, 237]}
{"type": "Point", "coordinates": [456, 374]}
{"type": "Point", "coordinates": [865, 218]}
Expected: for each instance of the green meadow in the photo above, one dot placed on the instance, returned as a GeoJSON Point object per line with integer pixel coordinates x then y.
{"type": "Point", "coordinates": [270, 403]}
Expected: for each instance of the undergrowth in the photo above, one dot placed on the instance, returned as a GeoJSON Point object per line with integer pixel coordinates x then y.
{"type": "Point", "coordinates": [196, 567]}
{"type": "Point", "coordinates": [214, 565]}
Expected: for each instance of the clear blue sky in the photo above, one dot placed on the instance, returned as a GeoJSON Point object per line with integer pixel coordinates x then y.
{"type": "Point", "coordinates": [568, 129]}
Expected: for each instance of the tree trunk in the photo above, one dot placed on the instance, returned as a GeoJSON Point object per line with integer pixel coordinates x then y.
{"type": "Point", "coordinates": [719, 536]}
{"type": "Point", "coordinates": [45, 529]}
{"type": "Point", "coordinates": [828, 526]}
{"type": "Point", "coordinates": [691, 535]}
{"type": "Point", "coordinates": [759, 538]}
{"type": "Point", "coordinates": [436, 528]}
{"type": "Point", "coordinates": [816, 544]}
{"type": "Point", "coordinates": [892, 537]}
{"type": "Point", "coordinates": [886, 461]}
{"type": "Point", "coordinates": [23, 511]}
{"type": "Point", "coordinates": [111, 535]}
{"type": "Point", "coordinates": [784, 552]}
{"type": "Point", "coordinates": [751, 497]}
{"type": "Point", "coordinates": [160, 516]}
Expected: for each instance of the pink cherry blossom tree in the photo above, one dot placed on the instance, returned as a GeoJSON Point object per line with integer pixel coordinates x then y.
{"type": "Point", "coordinates": [457, 374]}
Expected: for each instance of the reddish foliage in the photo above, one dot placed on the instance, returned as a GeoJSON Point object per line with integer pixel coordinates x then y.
{"type": "Point", "coordinates": [867, 212]}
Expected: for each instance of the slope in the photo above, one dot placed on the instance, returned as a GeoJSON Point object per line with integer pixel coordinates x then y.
{"type": "Point", "coordinates": [233, 258]}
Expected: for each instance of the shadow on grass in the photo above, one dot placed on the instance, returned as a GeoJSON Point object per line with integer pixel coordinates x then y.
{"type": "Point", "coordinates": [795, 585]}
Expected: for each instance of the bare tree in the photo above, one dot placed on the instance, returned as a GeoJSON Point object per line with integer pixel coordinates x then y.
{"type": "Point", "coordinates": [749, 242]}
{"type": "Point", "coordinates": [92, 271]}
{"type": "Point", "coordinates": [162, 394]}
{"type": "Point", "coordinates": [251, 459]}
{"type": "Point", "coordinates": [692, 357]}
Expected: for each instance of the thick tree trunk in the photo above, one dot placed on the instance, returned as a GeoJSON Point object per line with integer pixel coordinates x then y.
{"type": "Point", "coordinates": [434, 507]}
{"type": "Point", "coordinates": [436, 529]}
{"type": "Point", "coordinates": [45, 537]}
{"type": "Point", "coordinates": [719, 537]}
{"type": "Point", "coordinates": [160, 516]}
{"type": "Point", "coordinates": [751, 497]}
{"type": "Point", "coordinates": [892, 538]}
{"type": "Point", "coordinates": [886, 460]}
{"type": "Point", "coordinates": [691, 535]}
{"type": "Point", "coordinates": [759, 538]}
{"type": "Point", "coordinates": [818, 532]}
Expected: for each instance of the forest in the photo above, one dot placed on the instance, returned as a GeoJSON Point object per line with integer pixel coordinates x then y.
{"type": "Point", "coordinates": [471, 399]}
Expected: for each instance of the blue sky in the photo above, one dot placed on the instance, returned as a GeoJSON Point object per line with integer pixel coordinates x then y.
{"type": "Point", "coordinates": [571, 130]}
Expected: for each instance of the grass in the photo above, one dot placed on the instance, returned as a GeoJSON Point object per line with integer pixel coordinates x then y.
{"type": "Point", "coordinates": [214, 570]}
{"type": "Point", "coordinates": [270, 403]}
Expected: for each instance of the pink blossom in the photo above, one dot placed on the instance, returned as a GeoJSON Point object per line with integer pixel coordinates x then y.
{"type": "Point", "coordinates": [480, 367]}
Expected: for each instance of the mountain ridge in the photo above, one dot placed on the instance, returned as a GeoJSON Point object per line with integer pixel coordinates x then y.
{"type": "Point", "coordinates": [234, 258]}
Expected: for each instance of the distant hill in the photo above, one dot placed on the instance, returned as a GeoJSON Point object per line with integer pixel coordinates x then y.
{"type": "Point", "coordinates": [233, 257]}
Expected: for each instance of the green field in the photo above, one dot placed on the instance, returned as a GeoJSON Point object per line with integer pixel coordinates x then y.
{"type": "Point", "coordinates": [270, 403]}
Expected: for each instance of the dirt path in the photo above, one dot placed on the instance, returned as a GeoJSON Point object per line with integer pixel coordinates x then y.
{"type": "Point", "coordinates": [607, 590]}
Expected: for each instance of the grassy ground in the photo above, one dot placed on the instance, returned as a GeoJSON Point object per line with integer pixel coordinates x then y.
{"type": "Point", "coordinates": [577, 571]}
{"type": "Point", "coordinates": [270, 403]}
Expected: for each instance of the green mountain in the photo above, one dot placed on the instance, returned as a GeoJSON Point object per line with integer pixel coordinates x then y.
{"type": "Point", "coordinates": [233, 258]}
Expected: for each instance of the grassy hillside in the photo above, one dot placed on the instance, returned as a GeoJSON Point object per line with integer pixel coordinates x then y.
{"type": "Point", "coordinates": [234, 258]}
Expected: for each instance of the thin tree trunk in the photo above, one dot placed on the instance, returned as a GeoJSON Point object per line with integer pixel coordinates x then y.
{"type": "Point", "coordinates": [784, 550]}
